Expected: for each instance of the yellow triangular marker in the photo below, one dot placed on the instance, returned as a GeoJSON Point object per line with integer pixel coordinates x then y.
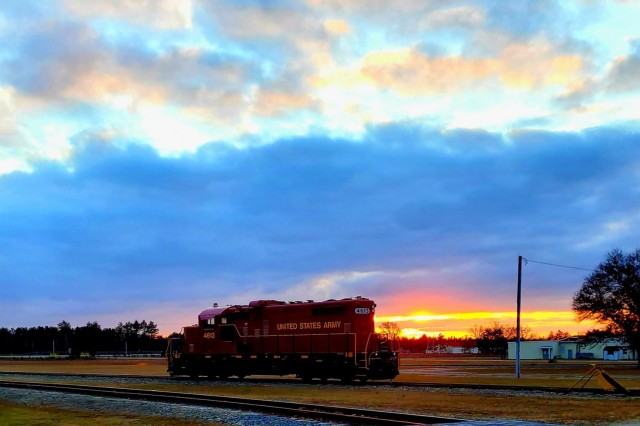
{"type": "Point", "coordinates": [607, 382]}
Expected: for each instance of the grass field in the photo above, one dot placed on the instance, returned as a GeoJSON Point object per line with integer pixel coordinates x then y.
{"type": "Point", "coordinates": [12, 414]}
{"type": "Point", "coordinates": [567, 409]}
{"type": "Point", "coordinates": [502, 372]}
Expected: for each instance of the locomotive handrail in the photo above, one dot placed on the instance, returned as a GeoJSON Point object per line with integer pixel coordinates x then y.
{"type": "Point", "coordinates": [278, 337]}
{"type": "Point", "coordinates": [366, 351]}
{"type": "Point", "coordinates": [237, 332]}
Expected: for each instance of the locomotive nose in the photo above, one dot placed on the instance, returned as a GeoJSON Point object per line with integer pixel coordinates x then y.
{"type": "Point", "coordinates": [384, 364]}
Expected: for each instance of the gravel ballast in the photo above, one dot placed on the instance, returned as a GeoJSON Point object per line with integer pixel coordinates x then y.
{"type": "Point", "coordinates": [144, 408]}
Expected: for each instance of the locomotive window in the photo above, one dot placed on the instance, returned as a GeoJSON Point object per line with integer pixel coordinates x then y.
{"type": "Point", "coordinates": [223, 320]}
{"type": "Point", "coordinates": [328, 310]}
{"type": "Point", "coordinates": [210, 323]}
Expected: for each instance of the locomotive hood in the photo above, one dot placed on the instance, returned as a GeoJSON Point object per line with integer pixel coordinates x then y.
{"type": "Point", "coordinates": [210, 313]}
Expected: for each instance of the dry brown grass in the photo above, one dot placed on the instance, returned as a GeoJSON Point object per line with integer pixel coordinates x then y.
{"type": "Point", "coordinates": [150, 367]}
{"type": "Point", "coordinates": [463, 404]}
{"type": "Point", "coordinates": [502, 372]}
{"type": "Point", "coordinates": [460, 404]}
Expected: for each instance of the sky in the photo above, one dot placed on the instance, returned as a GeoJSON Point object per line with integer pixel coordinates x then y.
{"type": "Point", "coordinates": [157, 157]}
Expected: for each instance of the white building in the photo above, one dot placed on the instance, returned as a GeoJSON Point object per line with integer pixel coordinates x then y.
{"type": "Point", "coordinates": [446, 349]}
{"type": "Point", "coordinates": [572, 348]}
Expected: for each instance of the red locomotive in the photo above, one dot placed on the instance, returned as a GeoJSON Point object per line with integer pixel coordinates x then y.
{"type": "Point", "coordinates": [331, 339]}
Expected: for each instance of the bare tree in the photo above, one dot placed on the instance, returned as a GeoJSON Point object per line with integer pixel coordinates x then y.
{"type": "Point", "coordinates": [511, 332]}
{"type": "Point", "coordinates": [611, 296]}
{"type": "Point", "coordinates": [390, 328]}
{"type": "Point", "coordinates": [476, 331]}
{"type": "Point", "coordinates": [558, 335]}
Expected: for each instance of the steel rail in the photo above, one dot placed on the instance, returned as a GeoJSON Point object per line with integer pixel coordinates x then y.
{"type": "Point", "coordinates": [471, 386]}
{"type": "Point", "coordinates": [288, 409]}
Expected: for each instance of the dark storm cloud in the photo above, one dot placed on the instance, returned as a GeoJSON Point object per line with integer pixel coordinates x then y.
{"type": "Point", "coordinates": [127, 225]}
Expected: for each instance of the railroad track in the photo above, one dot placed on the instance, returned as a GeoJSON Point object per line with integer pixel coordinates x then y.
{"type": "Point", "coordinates": [352, 416]}
{"type": "Point", "coordinates": [249, 380]}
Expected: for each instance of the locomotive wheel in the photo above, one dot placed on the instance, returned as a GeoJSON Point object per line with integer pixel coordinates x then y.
{"type": "Point", "coordinates": [346, 379]}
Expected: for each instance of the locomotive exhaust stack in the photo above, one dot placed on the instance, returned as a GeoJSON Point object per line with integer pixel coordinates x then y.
{"type": "Point", "coordinates": [331, 339]}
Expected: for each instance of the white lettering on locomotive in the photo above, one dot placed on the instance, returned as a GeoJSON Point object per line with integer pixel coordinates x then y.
{"type": "Point", "coordinates": [332, 324]}
{"type": "Point", "coordinates": [315, 325]}
{"type": "Point", "coordinates": [310, 325]}
{"type": "Point", "coordinates": [209, 335]}
{"type": "Point", "coordinates": [363, 311]}
{"type": "Point", "coordinates": [287, 326]}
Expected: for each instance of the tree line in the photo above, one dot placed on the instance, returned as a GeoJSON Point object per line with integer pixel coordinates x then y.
{"type": "Point", "coordinates": [87, 340]}
{"type": "Point", "coordinates": [486, 340]}
{"type": "Point", "coordinates": [142, 336]}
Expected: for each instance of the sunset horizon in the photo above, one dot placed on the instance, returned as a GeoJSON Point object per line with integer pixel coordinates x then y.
{"type": "Point", "coordinates": [459, 324]}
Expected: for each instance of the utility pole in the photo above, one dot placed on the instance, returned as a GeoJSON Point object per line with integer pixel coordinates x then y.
{"type": "Point", "coordinates": [519, 302]}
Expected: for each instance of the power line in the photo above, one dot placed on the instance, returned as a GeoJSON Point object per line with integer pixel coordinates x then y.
{"type": "Point", "coordinates": [520, 259]}
{"type": "Point", "coordinates": [555, 264]}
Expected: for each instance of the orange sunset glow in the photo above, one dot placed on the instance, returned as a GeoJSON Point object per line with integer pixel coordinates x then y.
{"type": "Point", "coordinates": [458, 324]}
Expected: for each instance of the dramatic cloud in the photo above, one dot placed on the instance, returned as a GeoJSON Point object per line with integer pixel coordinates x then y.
{"type": "Point", "coordinates": [406, 214]}
{"type": "Point", "coordinates": [157, 156]}
{"type": "Point", "coordinates": [463, 16]}
{"type": "Point", "coordinates": [414, 73]}
{"type": "Point", "coordinates": [161, 14]}
{"type": "Point", "coordinates": [625, 72]}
